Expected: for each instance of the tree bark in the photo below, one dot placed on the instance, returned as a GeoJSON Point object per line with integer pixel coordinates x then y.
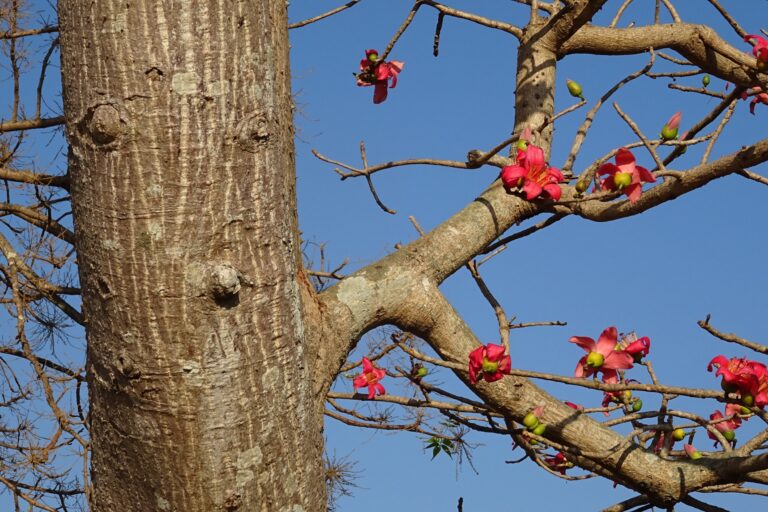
{"type": "Point", "coordinates": [182, 178]}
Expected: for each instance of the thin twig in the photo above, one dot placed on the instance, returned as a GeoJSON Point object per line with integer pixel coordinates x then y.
{"type": "Point", "coordinates": [324, 15]}
{"type": "Point", "coordinates": [732, 338]}
{"type": "Point", "coordinates": [651, 149]}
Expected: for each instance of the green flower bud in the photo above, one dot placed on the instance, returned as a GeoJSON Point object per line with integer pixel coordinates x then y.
{"type": "Point", "coordinates": [522, 144]}
{"type": "Point", "coordinates": [627, 394]}
{"type": "Point", "coordinates": [745, 410]}
{"type": "Point", "coordinates": [695, 455]}
{"type": "Point", "coordinates": [539, 430]}
{"type": "Point", "coordinates": [581, 186]}
{"type": "Point", "coordinates": [678, 434]}
{"type": "Point", "coordinates": [705, 80]}
{"type": "Point", "coordinates": [531, 421]}
{"type": "Point", "coordinates": [373, 57]}
{"type": "Point", "coordinates": [575, 89]}
{"type": "Point", "coordinates": [748, 400]}
{"type": "Point", "coordinates": [668, 133]}
{"type": "Point", "coordinates": [637, 405]}
{"type": "Point", "coordinates": [729, 435]}
{"type": "Point", "coordinates": [421, 372]}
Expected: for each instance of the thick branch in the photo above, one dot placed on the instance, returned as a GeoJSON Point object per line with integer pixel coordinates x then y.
{"type": "Point", "coordinates": [698, 43]}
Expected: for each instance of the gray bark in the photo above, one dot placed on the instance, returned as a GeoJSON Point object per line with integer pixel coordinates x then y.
{"type": "Point", "coordinates": [182, 179]}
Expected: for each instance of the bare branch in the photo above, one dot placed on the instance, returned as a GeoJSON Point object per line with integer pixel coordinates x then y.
{"type": "Point", "coordinates": [732, 338]}
{"type": "Point", "coordinates": [319, 17]}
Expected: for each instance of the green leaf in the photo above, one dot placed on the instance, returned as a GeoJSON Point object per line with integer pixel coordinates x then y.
{"type": "Point", "coordinates": [435, 452]}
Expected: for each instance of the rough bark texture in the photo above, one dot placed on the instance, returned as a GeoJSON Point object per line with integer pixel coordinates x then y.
{"type": "Point", "coordinates": [179, 120]}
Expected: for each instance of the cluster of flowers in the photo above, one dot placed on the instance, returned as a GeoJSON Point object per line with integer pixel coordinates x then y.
{"type": "Point", "coordinates": [749, 379]}
{"type": "Point", "coordinates": [531, 173]}
{"type": "Point", "coordinates": [760, 51]}
{"type": "Point", "coordinates": [378, 73]}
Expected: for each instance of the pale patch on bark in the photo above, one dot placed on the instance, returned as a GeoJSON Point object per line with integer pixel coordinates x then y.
{"type": "Point", "coordinates": [185, 83]}
{"type": "Point", "coordinates": [247, 462]}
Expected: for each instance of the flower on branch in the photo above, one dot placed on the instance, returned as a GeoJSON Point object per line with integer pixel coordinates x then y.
{"type": "Point", "coordinates": [602, 356]}
{"type": "Point", "coordinates": [488, 362]}
{"type": "Point", "coordinates": [759, 50]}
{"type": "Point", "coordinates": [725, 427]}
{"type": "Point", "coordinates": [370, 377]}
{"type": "Point", "coordinates": [758, 96]}
{"type": "Point", "coordinates": [669, 130]}
{"type": "Point", "coordinates": [558, 463]}
{"type": "Point", "coordinates": [378, 73]}
{"type": "Point", "coordinates": [740, 375]}
{"type": "Point", "coordinates": [692, 452]}
{"type": "Point", "coordinates": [532, 174]}
{"type": "Point", "coordinates": [625, 176]}
{"type": "Point", "coordinates": [638, 348]}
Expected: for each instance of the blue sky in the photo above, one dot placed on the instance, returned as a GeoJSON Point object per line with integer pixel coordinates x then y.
{"type": "Point", "coordinates": [657, 273]}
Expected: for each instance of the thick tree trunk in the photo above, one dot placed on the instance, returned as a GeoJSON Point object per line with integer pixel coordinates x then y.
{"type": "Point", "coordinates": [179, 120]}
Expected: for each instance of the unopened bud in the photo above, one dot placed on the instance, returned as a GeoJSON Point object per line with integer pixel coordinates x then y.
{"type": "Point", "coordinates": [531, 421]}
{"type": "Point", "coordinates": [575, 89]}
{"type": "Point", "coordinates": [637, 405]}
{"type": "Point", "coordinates": [539, 430]}
{"type": "Point", "coordinates": [729, 435]}
{"type": "Point", "coordinates": [705, 80]}
{"type": "Point", "coordinates": [678, 434]}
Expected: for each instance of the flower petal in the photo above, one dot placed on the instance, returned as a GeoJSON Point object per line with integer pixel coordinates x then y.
{"type": "Point", "coordinates": [532, 189]}
{"type": "Point", "coordinates": [494, 352]}
{"type": "Point", "coordinates": [588, 344]}
{"type": "Point", "coordinates": [607, 341]}
{"type": "Point", "coordinates": [380, 91]}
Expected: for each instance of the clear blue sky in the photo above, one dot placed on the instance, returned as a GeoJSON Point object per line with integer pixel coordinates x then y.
{"type": "Point", "coordinates": [657, 273]}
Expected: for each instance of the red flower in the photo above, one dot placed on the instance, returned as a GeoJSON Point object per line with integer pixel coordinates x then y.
{"type": "Point", "coordinates": [748, 378]}
{"type": "Point", "coordinates": [558, 463]}
{"type": "Point", "coordinates": [602, 356]}
{"type": "Point", "coordinates": [759, 50]}
{"type": "Point", "coordinates": [758, 96]}
{"type": "Point", "coordinates": [638, 348]}
{"type": "Point", "coordinates": [378, 73]}
{"type": "Point", "coordinates": [725, 427]}
{"type": "Point", "coordinates": [370, 377]}
{"type": "Point", "coordinates": [489, 362]}
{"type": "Point", "coordinates": [533, 175]}
{"type": "Point", "coordinates": [625, 175]}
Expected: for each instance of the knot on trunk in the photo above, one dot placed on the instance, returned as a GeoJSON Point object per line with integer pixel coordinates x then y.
{"type": "Point", "coordinates": [223, 281]}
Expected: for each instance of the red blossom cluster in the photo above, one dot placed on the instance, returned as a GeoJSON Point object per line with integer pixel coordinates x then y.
{"type": "Point", "coordinates": [378, 73]}
{"type": "Point", "coordinates": [488, 362]}
{"type": "Point", "coordinates": [532, 174]}
{"type": "Point", "coordinates": [747, 378]}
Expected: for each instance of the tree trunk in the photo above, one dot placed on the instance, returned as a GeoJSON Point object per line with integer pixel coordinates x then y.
{"type": "Point", "coordinates": [181, 159]}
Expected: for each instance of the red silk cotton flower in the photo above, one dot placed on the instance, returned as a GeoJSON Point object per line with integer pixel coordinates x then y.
{"type": "Point", "coordinates": [625, 175]}
{"type": "Point", "coordinates": [370, 377]}
{"type": "Point", "coordinates": [378, 73]}
{"type": "Point", "coordinates": [533, 175]}
{"type": "Point", "coordinates": [759, 50]}
{"type": "Point", "coordinates": [758, 96]}
{"type": "Point", "coordinates": [748, 378]}
{"type": "Point", "coordinates": [488, 362]}
{"type": "Point", "coordinates": [602, 356]}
